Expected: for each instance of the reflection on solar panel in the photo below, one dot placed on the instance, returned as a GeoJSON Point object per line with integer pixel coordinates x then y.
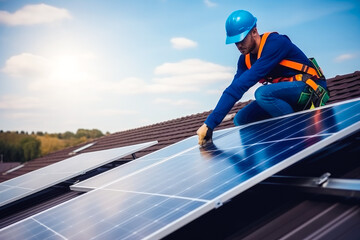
{"type": "Point", "coordinates": [131, 167]}
{"type": "Point", "coordinates": [189, 181]}
{"type": "Point", "coordinates": [45, 177]}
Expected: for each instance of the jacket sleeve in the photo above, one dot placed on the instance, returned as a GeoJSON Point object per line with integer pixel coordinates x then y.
{"type": "Point", "coordinates": [275, 50]}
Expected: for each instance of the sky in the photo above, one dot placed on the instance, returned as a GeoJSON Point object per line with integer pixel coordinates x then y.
{"type": "Point", "coordinates": [116, 65]}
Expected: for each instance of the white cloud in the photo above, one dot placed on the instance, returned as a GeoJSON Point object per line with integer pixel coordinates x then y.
{"type": "Point", "coordinates": [26, 65]}
{"type": "Point", "coordinates": [182, 43]}
{"type": "Point", "coordinates": [189, 75]}
{"type": "Point", "coordinates": [34, 14]}
{"type": "Point", "coordinates": [178, 103]}
{"type": "Point", "coordinates": [192, 73]}
{"type": "Point", "coordinates": [345, 57]}
{"type": "Point", "coordinates": [115, 112]}
{"type": "Point", "coordinates": [16, 102]}
{"type": "Point", "coordinates": [210, 3]}
{"type": "Point", "coordinates": [215, 91]}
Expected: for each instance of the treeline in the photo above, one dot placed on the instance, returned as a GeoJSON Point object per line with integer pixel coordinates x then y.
{"type": "Point", "coordinates": [22, 146]}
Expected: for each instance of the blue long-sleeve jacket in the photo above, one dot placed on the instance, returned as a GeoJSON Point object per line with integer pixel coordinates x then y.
{"type": "Point", "coordinates": [276, 48]}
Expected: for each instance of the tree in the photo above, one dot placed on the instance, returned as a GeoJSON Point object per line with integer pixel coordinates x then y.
{"type": "Point", "coordinates": [11, 153]}
{"type": "Point", "coordinates": [94, 133]}
{"type": "Point", "coordinates": [68, 135]}
{"type": "Point", "coordinates": [30, 147]}
{"type": "Point", "coordinates": [40, 133]}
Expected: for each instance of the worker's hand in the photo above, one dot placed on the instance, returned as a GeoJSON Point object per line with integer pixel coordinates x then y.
{"type": "Point", "coordinates": [205, 134]}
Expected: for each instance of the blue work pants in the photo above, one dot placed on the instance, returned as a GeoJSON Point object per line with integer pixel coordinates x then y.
{"type": "Point", "coordinates": [271, 100]}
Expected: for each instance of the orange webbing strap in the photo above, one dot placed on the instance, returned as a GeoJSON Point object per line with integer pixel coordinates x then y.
{"type": "Point", "coordinates": [261, 46]}
{"type": "Point", "coordinates": [262, 43]}
{"type": "Point", "coordinates": [247, 61]}
{"type": "Point", "coordinates": [312, 84]}
{"type": "Point", "coordinates": [299, 66]}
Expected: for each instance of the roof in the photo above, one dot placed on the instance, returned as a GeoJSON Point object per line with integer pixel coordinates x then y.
{"type": "Point", "coordinates": [254, 218]}
{"type": "Point", "coordinates": [6, 166]}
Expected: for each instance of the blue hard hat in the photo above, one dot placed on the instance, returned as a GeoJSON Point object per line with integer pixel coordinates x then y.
{"type": "Point", "coordinates": [238, 25]}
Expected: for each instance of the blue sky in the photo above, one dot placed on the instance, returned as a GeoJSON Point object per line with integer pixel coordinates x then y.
{"type": "Point", "coordinates": [116, 65]}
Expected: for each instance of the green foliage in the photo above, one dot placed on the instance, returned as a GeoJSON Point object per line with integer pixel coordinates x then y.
{"type": "Point", "coordinates": [68, 135]}
{"type": "Point", "coordinates": [21, 147]}
{"type": "Point", "coordinates": [30, 147]}
{"type": "Point", "coordinates": [16, 147]}
{"type": "Point", "coordinates": [94, 133]}
{"type": "Point", "coordinates": [11, 153]}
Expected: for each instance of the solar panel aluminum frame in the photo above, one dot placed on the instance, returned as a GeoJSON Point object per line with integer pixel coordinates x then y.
{"type": "Point", "coordinates": [68, 175]}
{"type": "Point", "coordinates": [258, 178]}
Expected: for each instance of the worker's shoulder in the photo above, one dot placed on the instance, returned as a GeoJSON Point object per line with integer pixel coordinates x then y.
{"type": "Point", "coordinates": [275, 36]}
{"type": "Point", "coordinates": [277, 40]}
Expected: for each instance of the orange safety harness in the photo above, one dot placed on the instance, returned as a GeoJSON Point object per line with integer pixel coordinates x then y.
{"type": "Point", "coordinates": [308, 72]}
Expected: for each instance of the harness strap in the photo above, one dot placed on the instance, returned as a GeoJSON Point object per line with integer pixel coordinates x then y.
{"type": "Point", "coordinates": [299, 66]}
{"type": "Point", "coordinates": [286, 63]}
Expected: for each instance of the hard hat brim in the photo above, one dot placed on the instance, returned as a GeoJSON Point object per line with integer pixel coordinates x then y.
{"type": "Point", "coordinates": [237, 38]}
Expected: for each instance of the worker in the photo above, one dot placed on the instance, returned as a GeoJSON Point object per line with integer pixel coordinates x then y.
{"type": "Point", "coordinates": [292, 82]}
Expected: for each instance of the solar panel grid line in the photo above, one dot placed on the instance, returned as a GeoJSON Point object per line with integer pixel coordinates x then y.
{"type": "Point", "coordinates": [77, 187]}
{"type": "Point", "coordinates": [147, 167]}
{"type": "Point", "coordinates": [49, 229]}
{"type": "Point", "coordinates": [53, 174]}
{"type": "Point", "coordinates": [300, 155]}
{"type": "Point", "coordinates": [160, 233]}
{"type": "Point", "coordinates": [129, 205]}
{"type": "Point", "coordinates": [206, 179]}
{"type": "Point", "coordinates": [82, 187]}
{"type": "Point", "coordinates": [281, 140]}
{"type": "Point", "coordinates": [208, 206]}
{"type": "Point", "coordinates": [228, 195]}
{"type": "Point", "coordinates": [123, 222]}
{"type": "Point", "coordinates": [7, 185]}
{"type": "Point", "coordinates": [86, 185]}
{"type": "Point", "coordinates": [183, 179]}
{"type": "Point", "coordinates": [254, 182]}
{"type": "Point", "coordinates": [302, 112]}
{"type": "Point", "coordinates": [327, 107]}
{"type": "Point", "coordinates": [325, 134]}
{"type": "Point", "coordinates": [173, 226]}
{"type": "Point", "coordinates": [66, 202]}
{"type": "Point", "coordinates": [158, 194]}
{"type": "Point", "coordinates": [282, 128]}
{"type": "Point", "coordinates": [90, 208]}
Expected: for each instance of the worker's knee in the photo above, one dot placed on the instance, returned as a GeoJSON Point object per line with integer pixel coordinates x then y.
{"type": "Point", "coordinates": [261, 94]}
{"type": "Point", "coordinates": [238, 119]}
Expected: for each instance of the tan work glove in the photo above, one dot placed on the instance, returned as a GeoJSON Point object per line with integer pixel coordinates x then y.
{"type": "Point", "coordinates": [205, 134]}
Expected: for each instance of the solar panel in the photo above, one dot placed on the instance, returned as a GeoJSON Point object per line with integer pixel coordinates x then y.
{"type": "Point", "coordinates": [133, 166]}
{"type": "Point", "coordinates": [45, 177]}
{"type": "Point", "coordinates": [184, 184]}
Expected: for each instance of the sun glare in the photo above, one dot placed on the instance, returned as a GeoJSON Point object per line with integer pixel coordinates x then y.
{"type": "Point", "coordinates": [67, 69]}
